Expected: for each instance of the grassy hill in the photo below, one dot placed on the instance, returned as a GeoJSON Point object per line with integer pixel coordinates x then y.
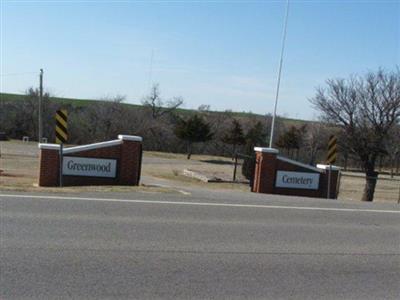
{"type": "Point", "coordinates": [70, 101]}
{"type": "Point", "coordinates": [85, 102]}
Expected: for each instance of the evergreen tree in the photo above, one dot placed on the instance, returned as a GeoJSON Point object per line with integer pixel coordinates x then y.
{"type": "Point", "coordinates": [255, 137]}
{"type": "Point", "coordinates": [291, 139]}
{"type": "Point", "coordinates": [193, 130]}
{"type": "Point", "coordinates": [234, 136]}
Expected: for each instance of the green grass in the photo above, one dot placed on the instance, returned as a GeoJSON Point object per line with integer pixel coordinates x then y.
{"type": "Point", "coordinates": [77, 103]}
{"type": "Point", "coordinates": [74, 102]}
{"type": "Point", "coordinates": [67, 101]}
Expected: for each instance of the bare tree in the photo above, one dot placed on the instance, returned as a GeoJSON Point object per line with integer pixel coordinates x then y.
{"type": "Point", "coordinates": [365, 108]}
{"type": "Point", "coordinates": [99, 121]}
{"type": "Point", "coordinates": [315, 140]}
{"type": "Point", "coordinates": [27, 111]}
{"type": "Point", "coordinates": [159, 107]}
{"type": "Point", "coordinates": [204, 107]}
{"type": "Point", "coordinates": [392, 145]}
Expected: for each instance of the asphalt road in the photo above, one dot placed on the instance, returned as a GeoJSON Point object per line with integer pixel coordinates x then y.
{"type": "Point", "coordinates": [220, 246]}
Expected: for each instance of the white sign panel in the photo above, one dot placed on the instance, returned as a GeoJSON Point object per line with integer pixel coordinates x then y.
{"type": "Point", "coordinates": [92, 167]}
{"type": "Point", "coordinates": [297, 180]}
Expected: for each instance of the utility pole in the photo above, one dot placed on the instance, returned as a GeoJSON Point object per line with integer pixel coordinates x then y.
{"type": "Point", "coordinates": [40, 134]}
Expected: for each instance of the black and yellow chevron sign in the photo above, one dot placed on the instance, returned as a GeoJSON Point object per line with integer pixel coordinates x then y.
{"type": "Point", "coordinates": [61, 126]}
{"type": "Point", "coordinates": [332, 150]}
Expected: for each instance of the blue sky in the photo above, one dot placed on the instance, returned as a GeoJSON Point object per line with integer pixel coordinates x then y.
{"type": "Point", "coordinates": [221, 53]}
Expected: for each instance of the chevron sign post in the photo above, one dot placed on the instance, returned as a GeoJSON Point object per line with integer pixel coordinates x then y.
{"type": "Point", "coordinates": [331, 159]}
{"type": "Point", "coordinates": [61, 136]}
{"type": "Point", "coordinates": [61, 126]}
{"type": "Point", "coordinates": [332, 150]}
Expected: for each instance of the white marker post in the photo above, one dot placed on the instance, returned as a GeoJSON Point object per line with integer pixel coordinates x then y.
{"type": "Point", "coordinates": [329, 181]}
{"type": "Point", "coordinates": [61, 164]}
{"type": "Point", "coordinates": [271, 137]}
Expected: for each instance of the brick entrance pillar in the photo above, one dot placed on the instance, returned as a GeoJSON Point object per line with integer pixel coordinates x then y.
{"type": "Point", "coordinates": [49, 165]}
{"type": "Point", "coordinates": [266, 164]}
{"type": "Point", "coordinates": [125, 154]}
{"type": "Point", "coordinates": [334, 185]}
{"type": "Point", "coordinates": [131, 159]}
{"type": "Point", "coordinates": [275, 174]}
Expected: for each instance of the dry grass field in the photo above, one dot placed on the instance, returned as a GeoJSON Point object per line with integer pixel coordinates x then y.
{"type": "Point", "coordinates": [19, 165]}
{"type": "Point", "coordinates": [352, 185]}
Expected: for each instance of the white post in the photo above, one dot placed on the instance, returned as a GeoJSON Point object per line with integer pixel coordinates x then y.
{"type": "Point", "coordinates": [329, 181]}
{"type": "Point", "coordinates": [271, 138]}
{"type": "Point", "coordinates": [61, 164]}
{"type": "Point", "coordinates": [40, 133]}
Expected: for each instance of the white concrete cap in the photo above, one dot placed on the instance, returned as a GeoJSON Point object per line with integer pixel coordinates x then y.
{"type": "Point", "coordinates": [133, 138]}
{"type": "Point", "coordinates": [91, 146]}
{"type": "Point", "coordinates": [266, 150]}
{"type": "Point", "coordinates": [297, 163]}
{"type": "Point", "coordinates": [49, 146]}
{"type": "Point", "coordinates": [87, 147]}
{"type": "Point", "coordinates": [326, 167]}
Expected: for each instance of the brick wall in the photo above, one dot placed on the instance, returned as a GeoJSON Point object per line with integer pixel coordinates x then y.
{"type": "Point", "coordinates": [49, 167]}
{"type": "Point", "coordinates": [127, 151]}
{"type": "Point", "coordinates": [268, 163]}
{"type": "Point", "coordinates": [265, 173]}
